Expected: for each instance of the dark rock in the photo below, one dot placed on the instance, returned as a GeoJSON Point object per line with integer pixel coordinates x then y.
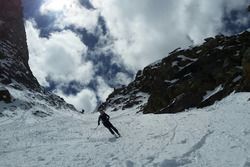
{"type": "Point", "coordinates": [246, 69]}
{"type": "Point", "coordinates": [41, 114]}
{"type": "Point", "coordinates": [5, 96]}
{"type": "Point", "coordinates": [216, 97]}
{"type": "Point", "coordinates": [182, 102]}
{"type": "Point", "coordinates": [208, 39]}
{"type": "Point", "coordinates": [2, 56]}
{"type": "Point", "coordinates": [15, 71]}
{"type": "Point", "coordinates": [13, 46]}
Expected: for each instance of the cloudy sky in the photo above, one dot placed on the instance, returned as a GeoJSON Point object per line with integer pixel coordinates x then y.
{"type": "Point", "coordinates": [82, 49]}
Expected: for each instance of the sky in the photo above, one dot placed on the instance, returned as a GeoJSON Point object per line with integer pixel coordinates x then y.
{"type": "Point", "coordinates": [83, 49]}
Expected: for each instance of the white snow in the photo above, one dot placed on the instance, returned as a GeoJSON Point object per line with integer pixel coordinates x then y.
{"type": "Point", "coordinates": [183, 58]}
{"type": "Point", "coordinates": [189, 74]}
{"type": "Point", "coordinates": [171, 81]}
{"type": "Point", "coordinates": [237, 53]}
{"type": "Point", "coordinates": [174, 63]}
{"type": "Point", "coordinates": [198, 51]}
{"type": "Point", "coordinates": [220, 47]}
{"type": "Point", "coordinates": [213, 92]}
{"type": "Point", "coordinates": [181, 68]}
{"type": "Point", "coordinates": [216, 136]}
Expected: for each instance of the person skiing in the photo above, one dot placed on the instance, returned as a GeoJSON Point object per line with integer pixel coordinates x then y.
{"type": "Point", "coordinates": [105, 121]}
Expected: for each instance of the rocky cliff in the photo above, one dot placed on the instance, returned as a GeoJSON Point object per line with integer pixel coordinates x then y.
{"type": "Point", "coordinates": [13, 48]}
{"type": "Point", "coordinates": [194, 77]}
{"type": "Point", "coordinates": [14, 68]}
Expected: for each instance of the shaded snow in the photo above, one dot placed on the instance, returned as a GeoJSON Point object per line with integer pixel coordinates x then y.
{"type": "Point", "coordinates": [198, 52]}
{"type": "Point", "coordinates": [155, 64]}
{"type": "Point", "coordinates": [213, 92]}
{"type": "Point", "coordinates": [215, 136]}
{"type": "Point", "coordinates": [183, 58]}
{"type": "Point", "coordinates": [174, 63]}
{"type": "Point", "coordinates": [220, 47]}
{"type": "Point", "coordinates": [171, 81]}
{"type": "Point", "coordinates": [237, 78]}
{"type": "Point", "coordinates": [181, 68]}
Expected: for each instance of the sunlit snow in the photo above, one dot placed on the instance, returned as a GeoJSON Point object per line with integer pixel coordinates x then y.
{"type": "Point", "coordinates": [215, 136]}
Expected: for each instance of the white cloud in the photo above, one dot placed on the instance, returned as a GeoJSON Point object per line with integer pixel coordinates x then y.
{"type": "Point", "coordinates": [122, 79]}
{"type": "Point", "coordinates": [103, 90]}
{"type": "Point", "coordinates": [70, 12]}
{"type": "Point", "coordinates": [60, 57]}
{"type": "Point", "coordinates": [141, 32]}
{"type": "Point", "coordinates": [85, 99]}
{"type": "Point", "coordinates": [147, 30]}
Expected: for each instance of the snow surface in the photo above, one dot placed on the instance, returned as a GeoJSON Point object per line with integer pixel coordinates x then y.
{"type": "Point", "coordinates": [216, 136]}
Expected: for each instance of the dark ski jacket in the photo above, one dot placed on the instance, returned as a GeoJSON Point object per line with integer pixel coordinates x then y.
{"type": "Point", "coordinates": [104, 118]}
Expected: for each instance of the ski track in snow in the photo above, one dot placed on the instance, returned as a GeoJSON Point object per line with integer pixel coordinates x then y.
{"type": "Point", "coordinates": [215, 136]}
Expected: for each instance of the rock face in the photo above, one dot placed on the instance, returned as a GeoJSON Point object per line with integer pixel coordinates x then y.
{"type": "Point", "coordinates": [246, 68]}
{"type": "Point", "coordinates": [13, 47]}
{"type": "Point", "coordinates": [14, 68]}
{"type": "Point", "coordinates": [195, 77]}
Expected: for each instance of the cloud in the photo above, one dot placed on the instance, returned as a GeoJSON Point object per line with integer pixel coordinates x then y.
{"type": "Point", "coordinates": [146, 30]}
{"type": "Point", "coordinates": [85, 99]}
{"type": "Point", "coordinates": [123, 37]}
{"type": "Point", "coordinates": [103, 90]}
{"type": "Point", "coordinates": [70, 13]}
{"type": "Point", "coordinates": [59, 57]}
{"type": "Point", "coordinates": [122, 79]}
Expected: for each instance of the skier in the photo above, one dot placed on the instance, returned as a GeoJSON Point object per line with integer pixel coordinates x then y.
{"type": "Point", "coordinates": [105, 121]}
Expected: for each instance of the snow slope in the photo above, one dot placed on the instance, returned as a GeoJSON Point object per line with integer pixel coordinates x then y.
{"type": "Point", "coordinates": [216, 136]}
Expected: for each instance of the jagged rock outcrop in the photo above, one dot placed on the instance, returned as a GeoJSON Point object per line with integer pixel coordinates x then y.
{"type": "Point", "coordinates": [13, 47]}
{"type": "Point", "coordinates": [14, 68]}
{"type": "Point", "coordinates": [195, 77]}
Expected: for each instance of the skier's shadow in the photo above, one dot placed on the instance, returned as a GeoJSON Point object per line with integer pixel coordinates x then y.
{"type": "Point", "coordinates": [113, 139]}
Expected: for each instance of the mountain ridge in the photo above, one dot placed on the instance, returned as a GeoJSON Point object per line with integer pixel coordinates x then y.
{"type": "Point", "coordinates": [13, 47]}
{"type": "Point", "coordinates": [193, 77]}
{"type": "Point", "coordinates": [14, 56]}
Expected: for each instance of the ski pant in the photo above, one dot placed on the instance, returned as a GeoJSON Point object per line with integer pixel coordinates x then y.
{"type": "Point", "coordinates": [111, 128]}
